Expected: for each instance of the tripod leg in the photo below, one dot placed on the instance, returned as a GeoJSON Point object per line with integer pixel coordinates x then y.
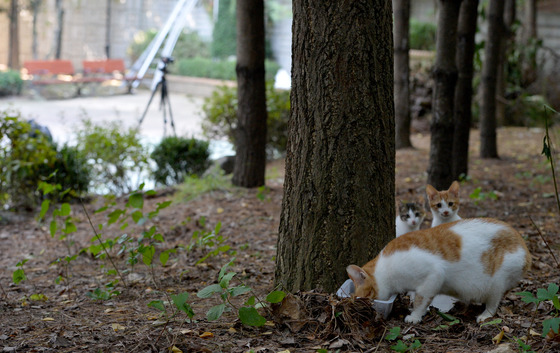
{"type": "Point", "coordinates": [165, 102]}
{"type": "Point", "coordinates": [148, 105]}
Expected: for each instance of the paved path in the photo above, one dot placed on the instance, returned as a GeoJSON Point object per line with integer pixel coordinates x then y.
{"type": "Point", "coordinates": [63, 116]}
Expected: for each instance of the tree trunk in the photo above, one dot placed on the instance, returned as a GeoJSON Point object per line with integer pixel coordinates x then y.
{"type": "Point", "coordinates": [57, 44]}
{"type": "Point", "coordinates": [35, 6]}
{"type": "Point", "coordinates": [510, 14]}
{"type": "Point", "coordinates": [488, 143]}
{"type": "Point", "coordinates": [401, 11]}
{"type": "Point", "coordinates": [440, 173]}
{"type": "Point", "coordinates": [108, 29]}
{"type": "Point", "coordinates": [13, 43]}
{"type": "Point", "coordinates": [464, 90]}
{"type": "Point", "coordinates": [250, 159]}
{"type": "Point", "coordinates": [338, 205]}
{"type": "Point", "coordinates": [529, 62]}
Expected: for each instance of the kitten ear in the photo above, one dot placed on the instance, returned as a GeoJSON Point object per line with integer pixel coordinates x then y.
{"type": "Point", "coordinates": [431, 192]}
{"type": "Point", "coordinates": [356, 274]}
{"type": "Point", "coordinates": [454, 189]}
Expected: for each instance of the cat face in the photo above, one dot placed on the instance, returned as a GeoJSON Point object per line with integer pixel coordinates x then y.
{"type": "Point", "coordinates": [412, 213]}
{"type": "Point", "coordinates": [444, 204]}
{"type": "Point", "coordinates": [363, 282]}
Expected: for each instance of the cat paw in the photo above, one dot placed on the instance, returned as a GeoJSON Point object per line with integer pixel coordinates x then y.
{"type": "Point", "coordinates": [484, 316]}
{"type": "Point", "coordinates": [412, 319]}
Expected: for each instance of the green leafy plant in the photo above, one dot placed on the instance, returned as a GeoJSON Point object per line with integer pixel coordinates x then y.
{"type": "Point", "coordinates": [422, 35]}
{"type": "Point", "coordinates": [247, 312]}
{"type": "Point", "coordinates": [478, 195]}
{"type": "Point", "coordinates": [180, 303]}
{"type": "Point", "coordinates": [19, 274]}
{"type": "Point", "coordinates": [10, 83]}
{"type": "Point", "coordinates": [401, 346]}
{"type": "Point", "coordinates": [548, 294]}
{"type": "Point", "coordinates": [450, 321]}
{"type": "Point", "coordinates": [209, 240]}
{"type": "Point", "coordinates": [220, 116]}
{"type": "Point", "coordinates": [179, 157]}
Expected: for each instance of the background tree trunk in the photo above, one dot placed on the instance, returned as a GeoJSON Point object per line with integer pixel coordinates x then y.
{"type": "Point", "coordinates": [510, 14]}
{"type": "Point", "coordinates": [13, 42]}
{"type": "Point", "coordinates": [250, 159]}
{"type": "Point", "coordinates": [401, 11]}
{"type": "Point", "coordinates": [440, 173]}
{"type": "Point", "coordinates": [57, 44]}
{"type": "Point", "coordinates": [529, 63]}
{"type": "Point", "coordinates": [464, 90]}
{"type": "Point", "coordinates": [108, 29]}
{"type": "Point", "coordinates": [35, 6]}
{"type": "Point", "coordinates": [488, 139]}
{"type": "Point", "coordinates": [338, 205]}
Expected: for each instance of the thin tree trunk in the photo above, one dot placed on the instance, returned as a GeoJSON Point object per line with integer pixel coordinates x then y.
{"type": "Point", "coordinates": [488, 138]}
{"type": "Point", "coordinates": [35, 6]}
{"type": "Point", "coordinates": [529, 63]}
{"type": "Point", "coordinates": [401, 11]}
{"type": "Point", "coordinates": [464, 90]}
{"type": "Point", "coordinates": [57, 44]}
{"type": "Point", "coordinates": [338, 205]}
{"type": "Point", "coordinates": [13, 43]}
{"type": "Point", "coordinates": [440, 173]}
{"type": "Point", "coordinates": [250, 160]}
{"type": "Point", "coordinates": [108, 30]}
{"type": "Point", "coordinates": [506, 42]}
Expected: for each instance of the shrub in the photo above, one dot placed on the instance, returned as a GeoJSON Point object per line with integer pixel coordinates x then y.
{"type": "Point", "coordinates": [10, 83]}
{"type": "Point", "coordinates": [220, 116]}
{"type": "Point", "coordinates": [115, 156]}
{"type": "Point", "coordinates": [179, 157]}
{"type": "Point", "coordinates": [25, 155]}
{"type": "Point", "coordinates": [224, 36]}
{"type": "Point", "coordinates": [422, 35]}
{"type": "Point", "coordinates": [72, 170]}
{"type": "Point", "coordinates": [218, 69]}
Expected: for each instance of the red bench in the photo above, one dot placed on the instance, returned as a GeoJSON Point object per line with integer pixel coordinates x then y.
{"type": "Point", "coordinates": [107, 67]}
{"type": "Point", "coordinates": [47, 72]}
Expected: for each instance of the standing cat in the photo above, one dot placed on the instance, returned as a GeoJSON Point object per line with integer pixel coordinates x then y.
{"type": "Point", "coordinates": [474, 260]}
{"type": "Point", "coordinates": [409, 218]}
{"type": "Point", "coordinates": [444, 204]}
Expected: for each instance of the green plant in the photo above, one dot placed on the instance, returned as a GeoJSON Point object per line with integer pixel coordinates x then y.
{"type": "Point", "coordinates": [179, 157]}
{"type": "Point", "coordinates": [548, 294]}
{"type": "Point", "coordinates": [209, 240]}
{"type": "Point", "coordinates": [220, 116]}
{"type": "Point", "coordinates": [19, 274]}
{"type": "Point", "coordinates": [478, 195]}
{"type": "Point", "coordinates": [10, 83]}
{"type": "Point", "coordinates": [422, 35]}
{"type": "Point", "coordinates": [214, 180]}
{"type": "Point", "coordinates": [25, 154]}
{"type": "Point", "coordinates": [247, 313]}
{"type": "Point", "coordinates": [224, 36]}
{"type": "Point", "coordinates": [400, 345]}
{"type": "Point", "coordinates": [114, 155]}
{"type": "Point", "coordinates": [218, 69]}
{"type": "Point", "coordinates": [179, 301]}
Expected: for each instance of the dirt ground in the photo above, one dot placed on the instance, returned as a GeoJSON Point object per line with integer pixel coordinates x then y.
{"type": "Point", "coordinates": [516, 188]}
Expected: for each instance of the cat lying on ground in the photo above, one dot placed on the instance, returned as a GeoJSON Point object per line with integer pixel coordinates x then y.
{"type": "Point", "coordinates": [474, 260]}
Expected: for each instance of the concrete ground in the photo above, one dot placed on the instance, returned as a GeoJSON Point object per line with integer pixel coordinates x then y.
{"type": "Point", "coordinates": [63, 116]}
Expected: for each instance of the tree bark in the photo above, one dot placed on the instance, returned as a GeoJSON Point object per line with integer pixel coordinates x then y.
{"type": "Point", "coordinates": [250, 159]}
{"type": "Point", "coordinates": [510, 14]}
{"type": "Point", "coordinates": [35, 6]}
{"type": "Point", "coordinates": [338, 205]}
{"type": "Point", "coordinates": [57, 44]}
{"type": "Point", "coordinates": [468, 15]}
{"type": "Point", "coordinates": [488, 143]}
{"type": "Point", "coordinates": [13, 43]}
{"type": "Point", "coordinates": [529, 62]}
{"type": "Point", "coordinates": [440, 173]}
{"type": "Point", "coordinates": [401, 11]}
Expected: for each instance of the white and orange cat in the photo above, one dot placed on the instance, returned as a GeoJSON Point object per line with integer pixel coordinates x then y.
{"type": "Point", "coordinates": [410, 216]}
{"type": "Point", "coordinates": [474, 260]}
{"type": "Point", "coordinates": [444, 204]}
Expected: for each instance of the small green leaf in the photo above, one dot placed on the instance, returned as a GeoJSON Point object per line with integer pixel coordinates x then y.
{"type": "Point", "coordinates": [180, 301]}
{"type": "Point", "coordinates": [400, 347]}
{"type": "Point", "coordinates": [148, 254]}
{"type": "Point", "coordinates": [393, 334]}
{"type": "Point", "coordinates": [551, 324]}
{"type": "Point", "coordinates": [207, 292]}
{"type": "Point", "coordinates": [52, 228]}
{"type": "Point", "coordinates": [44, 208]}
{"type": "Point", "coordinates": [136, 200]}
{"type": "Point", "coordinates": [18, 276]}
{"type": "Point", "coordinates": [493, 322]}
{"type": "Point", "coordinates": [224, 269]}
{"type": "Point", "coordinates": [137, 216]}
{"type": "Point", "coordinates": [250, 316]}
{"type": "Point", "coordinates": [157, 304]}
{"type": "Point", "coordinates": [236, 291]}
{"type": "Point", "coordinates": [224, 282]}
{"type": "Point", "coordinates": [446, 317]}
{"type": "Point", "coordinates": [215, 312]}
{"type": "Point", "coordinates": [114, 216]}
{"type": "Point", "coordinates": [528, 297]}
{"type": "Point", "coordinates": [163, 258]}
{"type": "Point", "coordinates": [65, 209]}
{"type": "Point", "coordinates": [250, 301]}
{"type": "Point", "coordinates": [275, 297]}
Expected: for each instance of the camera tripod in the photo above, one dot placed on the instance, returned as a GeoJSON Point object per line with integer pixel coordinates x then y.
{"type": "Point", "coordinates": [164, 104]}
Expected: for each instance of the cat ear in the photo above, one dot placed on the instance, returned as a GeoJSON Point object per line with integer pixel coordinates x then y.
{"type": "Point", "coordinates": [356, 274]}
{"type": "Point", "coordinates": [431, 192]}
{"type": "Point", "coordinates": [454, 189]}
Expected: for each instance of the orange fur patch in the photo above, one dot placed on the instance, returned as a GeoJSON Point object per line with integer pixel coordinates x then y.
{"type": "Point", "coordinates": [439, 240]}
{"type": "Point", "coordinates": [505, 242]}
{"type": "Point", "coordinates": [369, 288]}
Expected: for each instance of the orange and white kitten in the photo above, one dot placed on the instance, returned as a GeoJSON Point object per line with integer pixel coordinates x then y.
{"type": "Point", "coordinates": [444, 204]}
{"type": "Point", "coordinates": [474, 260]}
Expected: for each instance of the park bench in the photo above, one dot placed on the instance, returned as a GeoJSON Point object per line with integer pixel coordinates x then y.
{"type": "Point", "coordinates": [109, 69]}
{"type": "Point", "coordinates": [49, 72]}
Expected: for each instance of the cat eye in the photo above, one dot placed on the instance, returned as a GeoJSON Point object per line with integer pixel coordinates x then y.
{"type": "Point", "coordinates": [417, 214]}
{"type": "Point", "coordinates": [439, 205]}
{"type": "Point", "coordinates": [450, 204]}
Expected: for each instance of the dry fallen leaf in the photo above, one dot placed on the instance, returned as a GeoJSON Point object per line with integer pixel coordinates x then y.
{"type": "Point", "coordinates": [186, 331]}
{"type": "Point", "coordinates": [48, 319]}
{"type": "Point", "coordinates": [498, 338]}
{"type": "Point", "coordinates": [206, 335]}
{"type": "Point", "coordinates": [176, 350]}
{"type": "Point", "coordinates": [117, 327]}
{"type": "Point", "coordinates": [232, 330]}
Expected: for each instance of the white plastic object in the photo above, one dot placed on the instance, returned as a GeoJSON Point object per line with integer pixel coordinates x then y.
{"type": "Point", "coordinates": [383, 307]}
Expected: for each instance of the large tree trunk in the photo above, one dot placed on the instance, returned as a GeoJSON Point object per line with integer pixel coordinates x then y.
{"type": "Point", "coordinates": [13, 43]}
{"type": "Point", "coordinates": [401, 11]}
{"type": "Point", "coordinates": [510, 14]}
{"type": "Point", "coordinates": [488, 143]}
{"type": "Point", "coordinates": [338, 205]}
{"type": "Point", "coordinates": [464, 89]}
{"type": "Point", "coordinates": [57, 44]}
{"type": "Point", "coordinates": [440, 173]}
{"type": "Point", "coordinates": [250, 159]}
{"type": "Point", "coordinates": [529, 60]}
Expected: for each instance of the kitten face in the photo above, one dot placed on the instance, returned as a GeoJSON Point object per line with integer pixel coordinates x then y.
{"type": "Point", "coordinates": [412, 213]}
{"type": "Point", "coordinates": [444, 204]}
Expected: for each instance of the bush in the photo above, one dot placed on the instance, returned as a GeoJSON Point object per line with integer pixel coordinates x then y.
{"type": "Point", "coordinates": [72, 170]}
{"type": "Point", "coordinates": [224, 36]}
{"type": "Point", "coordinates": [179, 157]}
{"type": "Point", "coordinates": [217, 69]}
{"type": "Point", "coordinates": [189, 45]}
{"type": "Point", "coordinates": [10, 83]}
{"type": "Point", "coordinates": [25, 154]}
{"type": "Point", "coordinates": [115, 156]}
{"type": "Point", "coordinates": [220, 116]}
{"type": "Point", "coordinates": [422, 35]}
